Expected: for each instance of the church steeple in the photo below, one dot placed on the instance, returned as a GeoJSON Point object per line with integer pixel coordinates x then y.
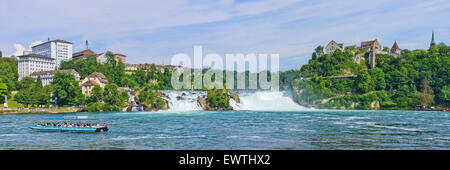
{"type": "Point", "coordinates": [433, 43]}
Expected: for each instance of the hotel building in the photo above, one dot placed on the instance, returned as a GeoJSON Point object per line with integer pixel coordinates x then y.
{"type": "Point", "coordinates": [30, 63]}
{"type": "Point", "coordinates": [47, 76]}
{"type": "Point", "coordinates": [59, 50]}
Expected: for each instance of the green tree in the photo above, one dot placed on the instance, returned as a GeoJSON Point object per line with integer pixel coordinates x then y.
{"type": "Point", "coordinates": [112, 98]}
{"type": "Point", "coordinates": [26, 96]}
{"type": "Point", "coordinates": [95, 107]}
{"type": "Point", "coordinates": [151, 99]}
{"type": "Point", "coordinates": [114, 69]}
{"type": "Point", "coordinates": [396, 79]}
{"type": "Point", "coordinates": [218, 98]}
{"type": "Point", "coordinates": [15, 61]}
{"type": "Point", "coordinates": [427, 94]}
{"type": "Point", "coordinates": [160, 103]}
{"type": "Point", "coordinates": [364, 82]}
{"type": "Point", "coordinates": [76, 97]}
{"type": "Point", "coordinates": [147, 96]}
{"type": "Point", "coordinates": [44, 95]}
{"type": "Point", "coordinates": [124, 96]}
{"type": "Point", "coordinates": [70, 64]}
{"type": "Point", "coordinates": [9, 73]}
{"type": "Point", "coordinates": [319, 50]}
{"type": "Point", "coordinates": [84, 66]}
{"type": "Point", "coordinates": [26, 83]}
{"type": "Point", "coordinates": [377, 75]}
{"type": "Point", "coordinates": [140, 77]}
{"type": "Point", "coordinates": [66, 89]}
{"type": "Point", "coordinates": [3, 89]}
{"type": "Point", "coordinates": [97, 94]}
{"type": "Point", "coordinates": [444, 94]}
{"type": "Point", "coordinates": [38, 82]}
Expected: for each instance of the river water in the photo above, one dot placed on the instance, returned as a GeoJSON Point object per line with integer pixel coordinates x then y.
{"type": "Point", "coordinates": [276, 124]}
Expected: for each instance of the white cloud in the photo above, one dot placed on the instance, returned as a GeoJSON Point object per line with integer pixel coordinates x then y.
{"type": "Point", "coordinates": [19, 49]}
{"type": "Point", "coordinates": [258, 7]}
{"type": "Point", "coordinates": [226, 2]}
{"type": "Point", "coordinates": [35, 43]}
{"type": "Point", "coordinates": [292, 28]}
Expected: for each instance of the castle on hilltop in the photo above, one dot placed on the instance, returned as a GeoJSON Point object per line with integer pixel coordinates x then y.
{"type": "Point", "coordinates": [365, 45]}
{"type": "Point", "coordinates": [373, 47]}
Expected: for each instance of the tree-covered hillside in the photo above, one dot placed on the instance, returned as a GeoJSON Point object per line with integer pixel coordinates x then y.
{"type": "Point", "coordinates": [419, 77]}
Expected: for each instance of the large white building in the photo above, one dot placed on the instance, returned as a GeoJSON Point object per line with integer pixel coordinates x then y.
{"type": "Point", "coordinates": [30, 63]}
{"type": "Point", "coordinates": [47, 76]}
{"type": "Point", "coordinates": [333, 46]}
{"type": "Point", "coordinates": [60, 50]}
{"type": "Point", "coordinates": [102, 58]}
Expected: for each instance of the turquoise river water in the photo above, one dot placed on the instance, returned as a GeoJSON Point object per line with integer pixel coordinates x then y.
{"type": "Point", "coordinates": [307, 129]}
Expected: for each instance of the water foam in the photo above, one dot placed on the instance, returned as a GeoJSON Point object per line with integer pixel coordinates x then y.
{"type": "Point", "coordinates": [182, 101]}
{"type": "Point", "coordinates": [268, 101]}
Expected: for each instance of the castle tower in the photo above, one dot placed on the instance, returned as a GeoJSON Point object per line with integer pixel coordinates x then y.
{"type": "Point", "coordinates": [372, 58]}
{"type": "Point", "coordinates": [87, 45]}
{"type": "Point", "coordinates": [433, 43]}
{"type": "Point", "coordinates": [395, 50]}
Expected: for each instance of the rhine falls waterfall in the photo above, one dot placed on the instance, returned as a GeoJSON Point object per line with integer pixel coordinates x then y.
{"type": "Point", "coordinates": [266, 100]}
{"type": "Point", "coordinates": [250, 100]}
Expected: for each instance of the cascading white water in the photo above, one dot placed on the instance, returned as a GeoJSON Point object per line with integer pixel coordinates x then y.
{"type": "Point", "coordinates": [249, 100]}
{"type": "Point", "coordinates": [183, 100]}
{"type": "Point", "coordinates": [267, 100]}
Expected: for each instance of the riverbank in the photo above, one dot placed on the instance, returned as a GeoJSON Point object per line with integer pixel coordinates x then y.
{"type": "Point", "coordinates": [39, 110]}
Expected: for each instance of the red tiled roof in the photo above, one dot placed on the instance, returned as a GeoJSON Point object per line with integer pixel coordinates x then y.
{"type": "Point", "coordinates": [368, 43]}
{"type": "Point", "coordinates": [83, 54]}
{"type": "Point", "coordinates": [90, 83]}
{"type": "Point", "coordinates": [120, 55]}
{"type": "Point", "coordinates": [395, 46]}
{"type": "Point", "coordinates": [97, 74]}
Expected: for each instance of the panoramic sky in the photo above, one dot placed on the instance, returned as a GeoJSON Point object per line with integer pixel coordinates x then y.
{"type": "Point", "coordinates": [153, 31]}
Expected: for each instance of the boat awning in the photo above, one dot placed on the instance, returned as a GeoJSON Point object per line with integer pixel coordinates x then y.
{"type": "Point", "coordinates": [73, 118]}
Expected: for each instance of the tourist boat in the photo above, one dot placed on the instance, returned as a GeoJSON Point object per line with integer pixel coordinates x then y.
{"type": "Point", "coordinates": [69, 124]}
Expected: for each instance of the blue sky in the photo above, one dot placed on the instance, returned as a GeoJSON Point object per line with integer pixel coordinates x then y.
{"type": "Point", "coordinates": [153, 31]}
